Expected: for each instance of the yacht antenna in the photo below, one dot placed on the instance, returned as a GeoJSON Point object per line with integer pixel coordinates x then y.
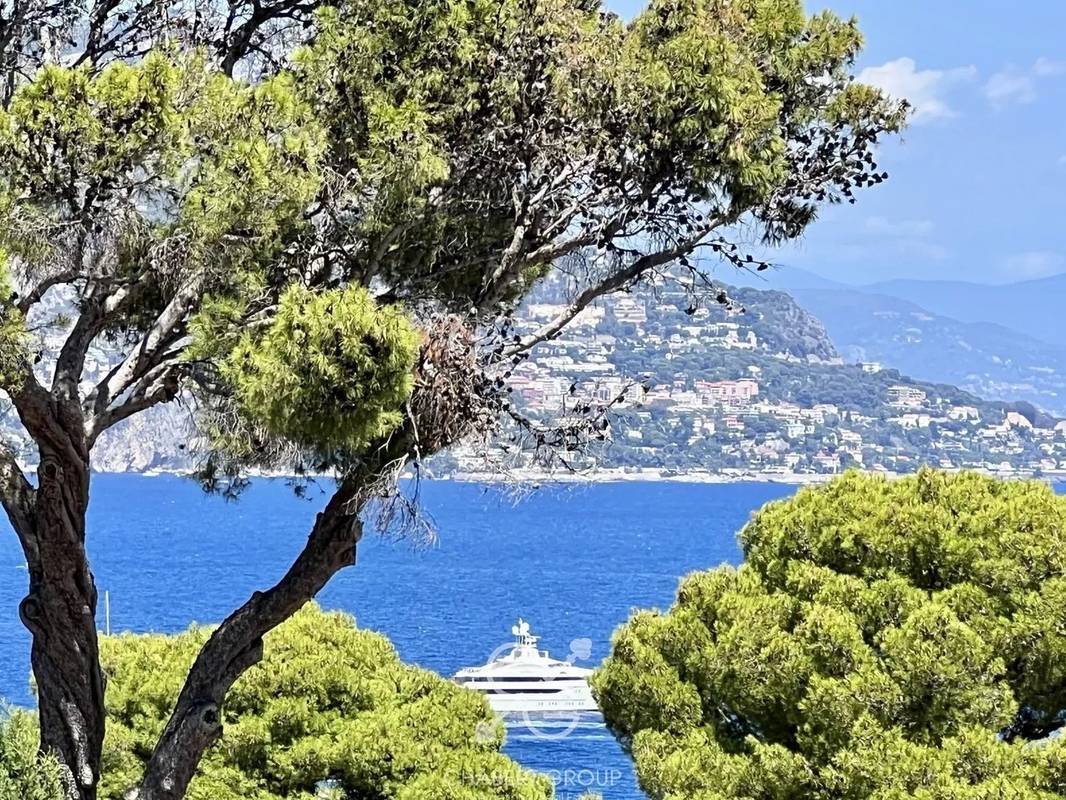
{"type": "Point", "coordinates": [522, 635]}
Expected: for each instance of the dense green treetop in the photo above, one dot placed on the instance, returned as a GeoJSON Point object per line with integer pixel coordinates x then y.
{"type": "Point", "coordinates": [884, 639]}
{"type": "Point", "coordinates": [333, 372]}
{"type": "Point", "coordinates": [328, 702]}
{"type": "Point", "coordinates": [160, 169]}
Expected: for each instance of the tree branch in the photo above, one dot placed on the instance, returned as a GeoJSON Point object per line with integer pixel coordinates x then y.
{"type": "Point", "coordinates": [612, 283]}
{"type": "Point", "coordinates": [18, 497]}
{"type": "Point", "coordinates": [34, 296]}
{"type": "Point", "coordinates": [94, 36]}
{"type": "Point", "coordinates": [91, 321]}
{"type": "Point", "coordinates": [158, 386]}
{"type": "Point", "coordinates": [237, 644]}
{"type": "Point", "coordinates": [145, 355]}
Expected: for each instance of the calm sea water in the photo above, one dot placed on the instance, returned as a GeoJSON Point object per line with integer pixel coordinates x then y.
{"type": "Point", "coordinates": [574, 561]}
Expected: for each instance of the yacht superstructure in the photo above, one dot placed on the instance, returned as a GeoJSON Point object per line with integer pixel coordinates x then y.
{"type": "Point", "coordinates": [521, 678]}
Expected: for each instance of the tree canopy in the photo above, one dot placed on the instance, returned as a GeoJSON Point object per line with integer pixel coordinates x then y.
{"type": "Point", "coordinates": [440, 156]}
{"type": "Point", "coordinates": [330, 707]}
{"type": "Point", "coordinates": [329, 702]}
{"type": "Point", "coordinates": [884, 639]}
{"type": "Point", "coordinates": [311, 223]}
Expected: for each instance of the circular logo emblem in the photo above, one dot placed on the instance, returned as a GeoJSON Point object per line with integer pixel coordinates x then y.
{"type": "Point", "coordinates": [544, 722]}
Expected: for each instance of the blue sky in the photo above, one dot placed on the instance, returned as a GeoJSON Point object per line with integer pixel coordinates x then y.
{"type": "Point", "coordinates": [976, 189]}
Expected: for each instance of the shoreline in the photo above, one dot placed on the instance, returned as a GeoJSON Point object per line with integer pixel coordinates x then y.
{"type": "Point", "coordinates": [698, 477]}
{"type": "Point", "coordinates": [523, 477]}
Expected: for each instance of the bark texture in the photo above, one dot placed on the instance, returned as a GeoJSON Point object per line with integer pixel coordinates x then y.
{"type": "Point", "coordinates": [59, 609]}
{"type": "Point", "coordinates": [237, 644]}
{"type": "Point", "coordinates": [60, 612]}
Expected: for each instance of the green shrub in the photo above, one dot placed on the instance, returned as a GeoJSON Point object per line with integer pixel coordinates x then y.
{"type": "Point", "coordinates": [329, 702]}
{"type": "Point", "coordinates": [901, 639]}
{"type": "Point", "coordinates": [24, 774]}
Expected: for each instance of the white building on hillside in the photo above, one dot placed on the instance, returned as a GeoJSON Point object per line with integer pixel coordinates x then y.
{"type": "Point", "coordinates": [905, 396]}
{"type": "Point", "coordinates": [1016, 420]}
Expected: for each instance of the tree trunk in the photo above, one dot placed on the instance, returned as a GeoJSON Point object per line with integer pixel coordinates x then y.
{"type": "Point", "coordinates": [237, 645]}
{"type": "Point", "coordinates": [60, 613]}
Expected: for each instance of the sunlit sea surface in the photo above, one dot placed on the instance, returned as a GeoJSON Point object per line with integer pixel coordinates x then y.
{"type": "Point", "coordinates": [573, 561]}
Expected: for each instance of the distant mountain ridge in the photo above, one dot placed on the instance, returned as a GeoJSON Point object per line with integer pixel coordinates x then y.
{"type": "Point", "coordinates": [990, 360]}
{"type": "Point", "coordinates": [1001, 342]}
{"type": "Point", "coordinates": [1033, 307]}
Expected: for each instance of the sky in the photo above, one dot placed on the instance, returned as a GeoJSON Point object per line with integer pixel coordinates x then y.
{"type": "Point", "coordinates": [976, 181]}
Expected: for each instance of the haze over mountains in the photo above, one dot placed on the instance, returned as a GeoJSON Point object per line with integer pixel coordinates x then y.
{"type": "Point", "coordinates": [1002, 342]}
{"type": "Point", "coordinates": [1032, 307]}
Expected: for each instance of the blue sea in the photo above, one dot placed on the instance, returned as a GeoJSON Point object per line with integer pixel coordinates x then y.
{"type": "Point", "coordinates": [572, 560]}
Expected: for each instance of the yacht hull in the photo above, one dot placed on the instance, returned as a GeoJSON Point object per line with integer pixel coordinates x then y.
{"type": "Point", "coordinates": [518, 704]}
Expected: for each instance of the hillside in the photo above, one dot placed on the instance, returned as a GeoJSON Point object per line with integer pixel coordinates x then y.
{"type": "Point", "coordinates": [762, 392]}
{"type": "Point", "coordinates": [951, 332]}
{"type": "Point", "coordinates": [989, 360]}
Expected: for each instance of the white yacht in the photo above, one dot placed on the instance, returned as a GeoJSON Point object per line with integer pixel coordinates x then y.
{"type": "Point", "coordinates": [520, 678]}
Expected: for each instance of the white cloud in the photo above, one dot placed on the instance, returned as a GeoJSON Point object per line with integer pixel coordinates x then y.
{"type": "Point", "coordinates": [881, 240]}
{"type": "Point", "coordinates": [903, 227]}
{"type": "Point", "coordinates": [1033, 264]}
{"type": "Point", "coordinates": [907, 237]}
{"type": "Point", "coordinates": [924, 89]}
{"type": "Point", "coordinates": [1009, 86]}
{"type": "Point", "coordinates": [923, 250]}
{"type": "Point", "coordinates": [1013, 85]}
{"type": "Point", "coordinates": [893, 253]}
{"type": "Point", "coordinates": [1047, 68]}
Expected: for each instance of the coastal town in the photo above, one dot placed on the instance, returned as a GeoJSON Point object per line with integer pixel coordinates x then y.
{"type": "Point", "coordinates": [723, 392]}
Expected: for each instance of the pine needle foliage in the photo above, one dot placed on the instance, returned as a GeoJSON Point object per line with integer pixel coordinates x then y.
{"type": "Point", "coordinates": [331, 373]}
{"type": "Point", "coordinates": [13, 336]}
{"type": "Point", "coordinates": [24, 773]}
{"type": "Point", "coordinates": [884, 639]}
{"type": "Point", "coordinates": [329, 706]}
